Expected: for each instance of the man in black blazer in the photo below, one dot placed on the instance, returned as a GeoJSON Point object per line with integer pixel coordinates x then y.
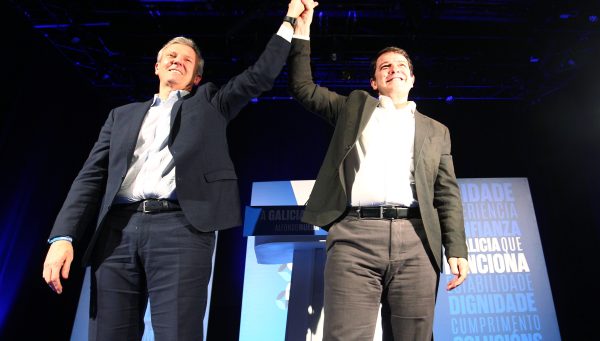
{"type": "Point", "coordinates": [156, 186]}
{"type": "Point", "coordinates": [388, 196]}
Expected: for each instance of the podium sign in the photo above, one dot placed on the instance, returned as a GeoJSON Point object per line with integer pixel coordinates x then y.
{"type": "Point", "coordinates": [276, 220]}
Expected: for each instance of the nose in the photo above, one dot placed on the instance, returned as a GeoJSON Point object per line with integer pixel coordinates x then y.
{"type": "Point", "coordinates": [178, 59]}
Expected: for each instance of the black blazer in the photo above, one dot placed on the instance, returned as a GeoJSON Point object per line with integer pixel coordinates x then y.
{"type": "Point", "coordinates": [436, 185]}
{"type": "Point", "coordinates": [206, 181]}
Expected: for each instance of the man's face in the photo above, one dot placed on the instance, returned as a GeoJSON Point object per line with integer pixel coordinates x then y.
{"type": "Point", "coordinates": [392, 75]}
{"type": "Point", "coordinates": [177, 67]}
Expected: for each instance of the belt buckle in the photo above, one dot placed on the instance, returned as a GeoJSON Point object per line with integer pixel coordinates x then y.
{"type": "Point", "coordinates": [149, 206]}
{"type": "Point", "coordinates": [358, 212]}
{"type": "Point", "coordinates": [386, 214]}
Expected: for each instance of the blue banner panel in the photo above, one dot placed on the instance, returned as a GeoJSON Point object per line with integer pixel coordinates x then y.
{"type": "Point", "coordinates": [507, 293]}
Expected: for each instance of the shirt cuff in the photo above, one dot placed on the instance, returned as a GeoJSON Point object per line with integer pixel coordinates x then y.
{"type": "Point", "coordinates": [303, 37]}
{"type": "Point", "coordinates": [67, 238]}
{"type": "Point", "coordinates": [285, 32]}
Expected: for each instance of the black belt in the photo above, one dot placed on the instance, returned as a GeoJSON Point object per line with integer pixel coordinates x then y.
{"type": "Point", "coordinates": [152, 206]}
{"type": "Point", "coordinates": [384, 212]}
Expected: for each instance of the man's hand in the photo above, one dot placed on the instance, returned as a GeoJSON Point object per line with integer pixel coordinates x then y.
{"type": "Point", "coordinates": [295, 7]}
{"type": "Point", "coordinates": [305, 18]}
{"type": "Point", "coordinates": [58, 263]}
{"type": "Point", "coordinates": [459, 268]}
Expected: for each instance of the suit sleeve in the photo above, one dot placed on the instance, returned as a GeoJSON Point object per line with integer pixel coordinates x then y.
{"type": "Point", "coordinates": [312, 97]}
{"type": "Point", "coordinates": [449, 205]}
{"type": "Point", "coordinates": [80, 209]}
{"type": "Point", "coordinates": [258, 78]}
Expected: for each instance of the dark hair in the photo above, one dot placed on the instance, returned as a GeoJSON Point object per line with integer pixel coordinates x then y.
{"type": "Point", "coordinates": [386, 50]}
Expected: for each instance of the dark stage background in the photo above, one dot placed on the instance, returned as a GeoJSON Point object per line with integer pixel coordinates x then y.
{"type": "Point", "coordinates": [516, 82]}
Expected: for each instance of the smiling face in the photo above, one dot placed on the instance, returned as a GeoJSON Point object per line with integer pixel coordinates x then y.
{"type": "Point", "coordinates": [177, 67]}
{"type": "Point", "coordinates": [392, 75]}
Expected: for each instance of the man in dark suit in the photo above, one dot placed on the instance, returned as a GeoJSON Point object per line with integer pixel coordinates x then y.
{"type": "Point", "coordinates": [388, 196]}
{"type": "Point", "coordinates": [156, 186]}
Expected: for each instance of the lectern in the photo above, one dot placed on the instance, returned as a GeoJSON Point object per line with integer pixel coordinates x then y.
{"type": "Point", "coordinates": [280, 238]}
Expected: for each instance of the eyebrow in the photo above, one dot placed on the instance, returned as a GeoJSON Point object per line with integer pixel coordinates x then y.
{"type": "Point", "coordinates": [187, 56]}
{"type": "Point", "coordinates": [390, 62]}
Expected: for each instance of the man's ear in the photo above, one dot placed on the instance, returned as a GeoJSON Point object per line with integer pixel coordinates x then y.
{"type": "Point", "coordinates": [373, 84]}
{"type": "Point", "coordinates": [197, 79]}
{"type": "Point", "coordinates": [156, 69]}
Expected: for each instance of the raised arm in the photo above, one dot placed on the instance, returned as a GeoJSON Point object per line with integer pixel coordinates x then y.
{"type": "Point", "coordinates": [259, 77]}
{"type": "Point", "coordinates": [313, 97]}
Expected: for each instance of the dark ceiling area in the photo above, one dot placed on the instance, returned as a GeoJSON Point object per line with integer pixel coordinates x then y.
{"type": "Point", "coordinates": [462, 49]}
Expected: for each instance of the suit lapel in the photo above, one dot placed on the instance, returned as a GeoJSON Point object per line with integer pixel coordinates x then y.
{"type": "Point", "coordinates": [175, 121]}
{"type": "Point", "coordinates": [368, 109]}
{"type": "Point", "coordinates": [421, 133]}
{"type": "Point", "coordinates": [134, 126]}
{"type": "Point", "coordinates": [175, 116]}
{"type": "Point", "coordinates": [175, 111]}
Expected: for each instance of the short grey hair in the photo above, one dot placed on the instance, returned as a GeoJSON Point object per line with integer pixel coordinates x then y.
{"type": "Point", "coordinates": [188, 42]}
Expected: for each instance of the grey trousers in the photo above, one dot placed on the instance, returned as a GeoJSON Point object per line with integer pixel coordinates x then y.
{"type": "Point", "coordinates": [373, 262]}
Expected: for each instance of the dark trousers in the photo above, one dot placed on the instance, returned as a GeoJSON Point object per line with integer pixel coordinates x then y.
{"type": "Point", "coordinates": [158, 257]}
{"type": "Point", "coordinates": [377, 262]}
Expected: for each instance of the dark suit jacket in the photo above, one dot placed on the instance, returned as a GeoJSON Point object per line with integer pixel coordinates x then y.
{"type": "Point", "coordinates": [436, 186]}
{"type": "Point", "coordinates": [206, 181]}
